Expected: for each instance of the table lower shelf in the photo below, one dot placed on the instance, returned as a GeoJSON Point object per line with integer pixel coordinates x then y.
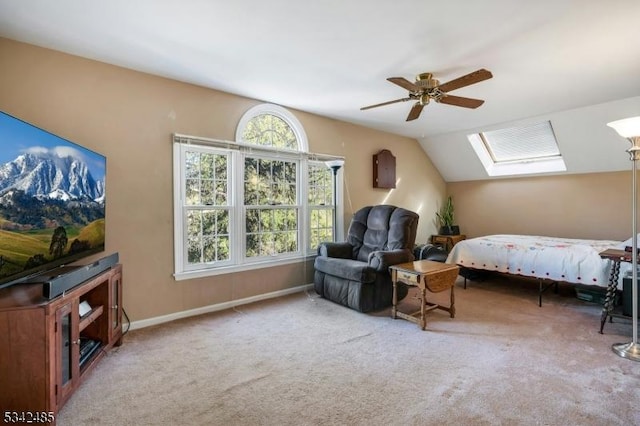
{"type": "Point", "coordinates": [417, 317]}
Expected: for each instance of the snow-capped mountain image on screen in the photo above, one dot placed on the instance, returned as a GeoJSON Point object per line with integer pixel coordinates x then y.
{"type": "Point", "coordinates": [52, 200]}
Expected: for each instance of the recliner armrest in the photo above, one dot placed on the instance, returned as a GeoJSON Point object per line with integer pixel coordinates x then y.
{"type": "Point", "coordinates": [341, 250]}
{"type": "Point", "coordinates": [381, 260]}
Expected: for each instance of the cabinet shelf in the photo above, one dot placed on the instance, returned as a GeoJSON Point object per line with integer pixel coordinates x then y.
{"type": "Point", "coordinates": [89, 357]}
{"type": "Point", "coordinates": [90, 317]}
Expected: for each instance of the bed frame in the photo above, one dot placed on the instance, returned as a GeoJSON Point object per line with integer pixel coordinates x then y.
{"type": "Point", "coordinates": [543, 285]}
{"type": "Point", "coordinates": [549, 260]}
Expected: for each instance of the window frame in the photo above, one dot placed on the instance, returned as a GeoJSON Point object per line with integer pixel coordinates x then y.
{"type": "Point", "coordinates": [328, 206]}
{"type": "Point", "coordinates": [244, 208]}
{"type": "Point", "coordinates": [185, 208]}
{"type": "Point", "coordinates": [531, 165]}
{"type": "Point", "coordinates": [238, 151]}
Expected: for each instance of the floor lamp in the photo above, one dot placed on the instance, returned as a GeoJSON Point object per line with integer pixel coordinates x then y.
{"type": "Point", "coordinates": [335, 165]}
{"type": "Point", "coordinates": [630, 128]}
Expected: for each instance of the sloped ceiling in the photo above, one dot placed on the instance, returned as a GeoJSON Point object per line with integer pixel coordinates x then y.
{"type": "Point", "coordinates": [576, 62]}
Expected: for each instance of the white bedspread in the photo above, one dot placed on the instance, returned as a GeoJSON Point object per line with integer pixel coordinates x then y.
{"type": "Point", "coordinates": [558, 259]}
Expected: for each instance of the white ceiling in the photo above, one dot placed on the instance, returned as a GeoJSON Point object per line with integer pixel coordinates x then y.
{"type": "Point", "coordinates": [550, 59]}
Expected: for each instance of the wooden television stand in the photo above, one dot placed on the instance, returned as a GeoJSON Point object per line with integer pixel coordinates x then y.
{"type": "Point", "coordinates": [47, 348]}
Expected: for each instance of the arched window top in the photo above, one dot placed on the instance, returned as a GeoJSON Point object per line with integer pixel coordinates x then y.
{"type": "Point", "coordinates": [272, 126]}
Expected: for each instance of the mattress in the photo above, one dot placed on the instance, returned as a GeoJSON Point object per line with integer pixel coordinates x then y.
{"type": "Point", "coordinates": [558, 259]}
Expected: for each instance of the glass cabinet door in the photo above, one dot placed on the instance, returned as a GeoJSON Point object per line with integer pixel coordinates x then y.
{"type": "Point", "coordinates": [115, 296]}
{"type": "Point", "coordinates": [67, 349]}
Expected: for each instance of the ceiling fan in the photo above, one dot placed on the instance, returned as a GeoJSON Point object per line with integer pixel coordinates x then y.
{"type": "Point", "coordinates": [427, 88]}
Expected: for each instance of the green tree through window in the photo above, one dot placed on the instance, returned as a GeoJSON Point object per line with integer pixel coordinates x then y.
{"type": "Point", "coordinates": [270, 130]}
{"type": "Point", "coordinates": [206, 189]}
{"type": "Point", "coordinates": [270, 188]}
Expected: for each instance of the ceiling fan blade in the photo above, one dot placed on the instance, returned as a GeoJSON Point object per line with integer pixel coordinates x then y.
{"type": "Point", "coordinates": [404, 83]}
{"type": "Point", "coordinates": [385, 103]}
{"type": "Point", "coordinates": [466, 80]}
{"type": "Point", "coordinates": [415, 111]}
{"type": "Point", "coordinates": [460, 101]}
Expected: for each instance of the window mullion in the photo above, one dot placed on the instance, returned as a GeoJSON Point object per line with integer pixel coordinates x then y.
{"type": "Point", "coordinates": [238, 207]}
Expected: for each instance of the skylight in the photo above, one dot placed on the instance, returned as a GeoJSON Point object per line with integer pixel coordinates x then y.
{"type": "Point", "coordinates": [527, 149]}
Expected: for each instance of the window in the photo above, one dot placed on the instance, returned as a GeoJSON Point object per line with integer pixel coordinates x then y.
{"type": "Point", "coordinates": [206, 207]}
{"type": "Point", "coordinates": [271, 206]}
{"type": "Point", "coordinates": [260, 201]}
{"type": "Point", "coordinates": [518, 150]}
{"type": "Point", "coordinates": [320, 201]}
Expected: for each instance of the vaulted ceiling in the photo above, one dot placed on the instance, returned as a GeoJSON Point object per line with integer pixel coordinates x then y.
{"type": "Point", "coordinates": [574, 62]}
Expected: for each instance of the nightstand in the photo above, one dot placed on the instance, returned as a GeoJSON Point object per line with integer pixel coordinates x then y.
{"type": "Point", "coordinates": [447, 241]}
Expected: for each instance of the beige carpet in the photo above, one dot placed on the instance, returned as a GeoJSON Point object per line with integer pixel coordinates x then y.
{"type": "Point", "coordinates": [302, 360]}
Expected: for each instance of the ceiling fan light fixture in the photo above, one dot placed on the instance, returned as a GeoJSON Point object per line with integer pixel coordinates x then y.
{"type": "Point", "coordinates": [437, 94]}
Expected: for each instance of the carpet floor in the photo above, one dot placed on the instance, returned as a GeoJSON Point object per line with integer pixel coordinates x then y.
{"type": "Point", "coordinates": [302, 360]}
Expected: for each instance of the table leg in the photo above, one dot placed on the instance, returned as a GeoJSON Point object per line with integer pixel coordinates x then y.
{"type": "Point", "coordinates": [452, 309]}
{"type": "Point", "coordinates": [394, 299]}
{"type": "Point", "coordinates": [423, 313]}
{"type": "Point", "coordinates": [611, 292]}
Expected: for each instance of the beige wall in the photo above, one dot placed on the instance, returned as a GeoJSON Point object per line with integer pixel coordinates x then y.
{"type": "Point", "coordinates": [589, 206]}
{"type": "Point", "coordinates": [130, 116]}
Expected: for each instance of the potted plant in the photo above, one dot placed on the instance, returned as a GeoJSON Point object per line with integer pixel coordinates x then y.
{"type": "Point", "coordinates": [446, 219]}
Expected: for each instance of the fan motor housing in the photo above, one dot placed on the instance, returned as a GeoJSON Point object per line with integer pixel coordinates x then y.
{"type": "Point", "coordinates": [426, 80]}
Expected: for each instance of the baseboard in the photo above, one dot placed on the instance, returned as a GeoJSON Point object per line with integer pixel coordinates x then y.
{"type": "Point", "coordinates": [217, 307]}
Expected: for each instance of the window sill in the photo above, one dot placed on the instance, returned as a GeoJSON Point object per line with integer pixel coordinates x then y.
{"type": "Point", "coordinates": [200, 273]}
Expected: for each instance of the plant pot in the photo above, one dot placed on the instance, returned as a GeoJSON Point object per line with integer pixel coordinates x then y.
{"type": "Point", "coordinates": [449, 230]}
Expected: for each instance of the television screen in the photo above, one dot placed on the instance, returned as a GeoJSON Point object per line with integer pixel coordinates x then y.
{"type": "Point", "coordinates": [52, 201]}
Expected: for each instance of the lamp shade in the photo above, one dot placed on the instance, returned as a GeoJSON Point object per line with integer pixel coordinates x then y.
{"type": "Point", "coordinates": [334, 164]}
{"type": "Point", "coordinates": [627, 127]}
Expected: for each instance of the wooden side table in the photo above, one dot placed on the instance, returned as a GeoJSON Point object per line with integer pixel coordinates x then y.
{"type": "Point", "coordinates": [426, 275]}
{"type": "Point", "coordinates": [448, 241]}
{"type": "Point", "coordinates": [615, 256]}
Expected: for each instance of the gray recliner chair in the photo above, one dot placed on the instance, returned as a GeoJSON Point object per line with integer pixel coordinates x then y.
{"type": "Point", "coordinates": [355, 273]}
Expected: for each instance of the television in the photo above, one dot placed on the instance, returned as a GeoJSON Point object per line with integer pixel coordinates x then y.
{"type": "Point", "coordinates": [52, 201]}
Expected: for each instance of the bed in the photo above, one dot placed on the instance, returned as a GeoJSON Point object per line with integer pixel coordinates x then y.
{"type": "Point", "coordinates": [549, 259]}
